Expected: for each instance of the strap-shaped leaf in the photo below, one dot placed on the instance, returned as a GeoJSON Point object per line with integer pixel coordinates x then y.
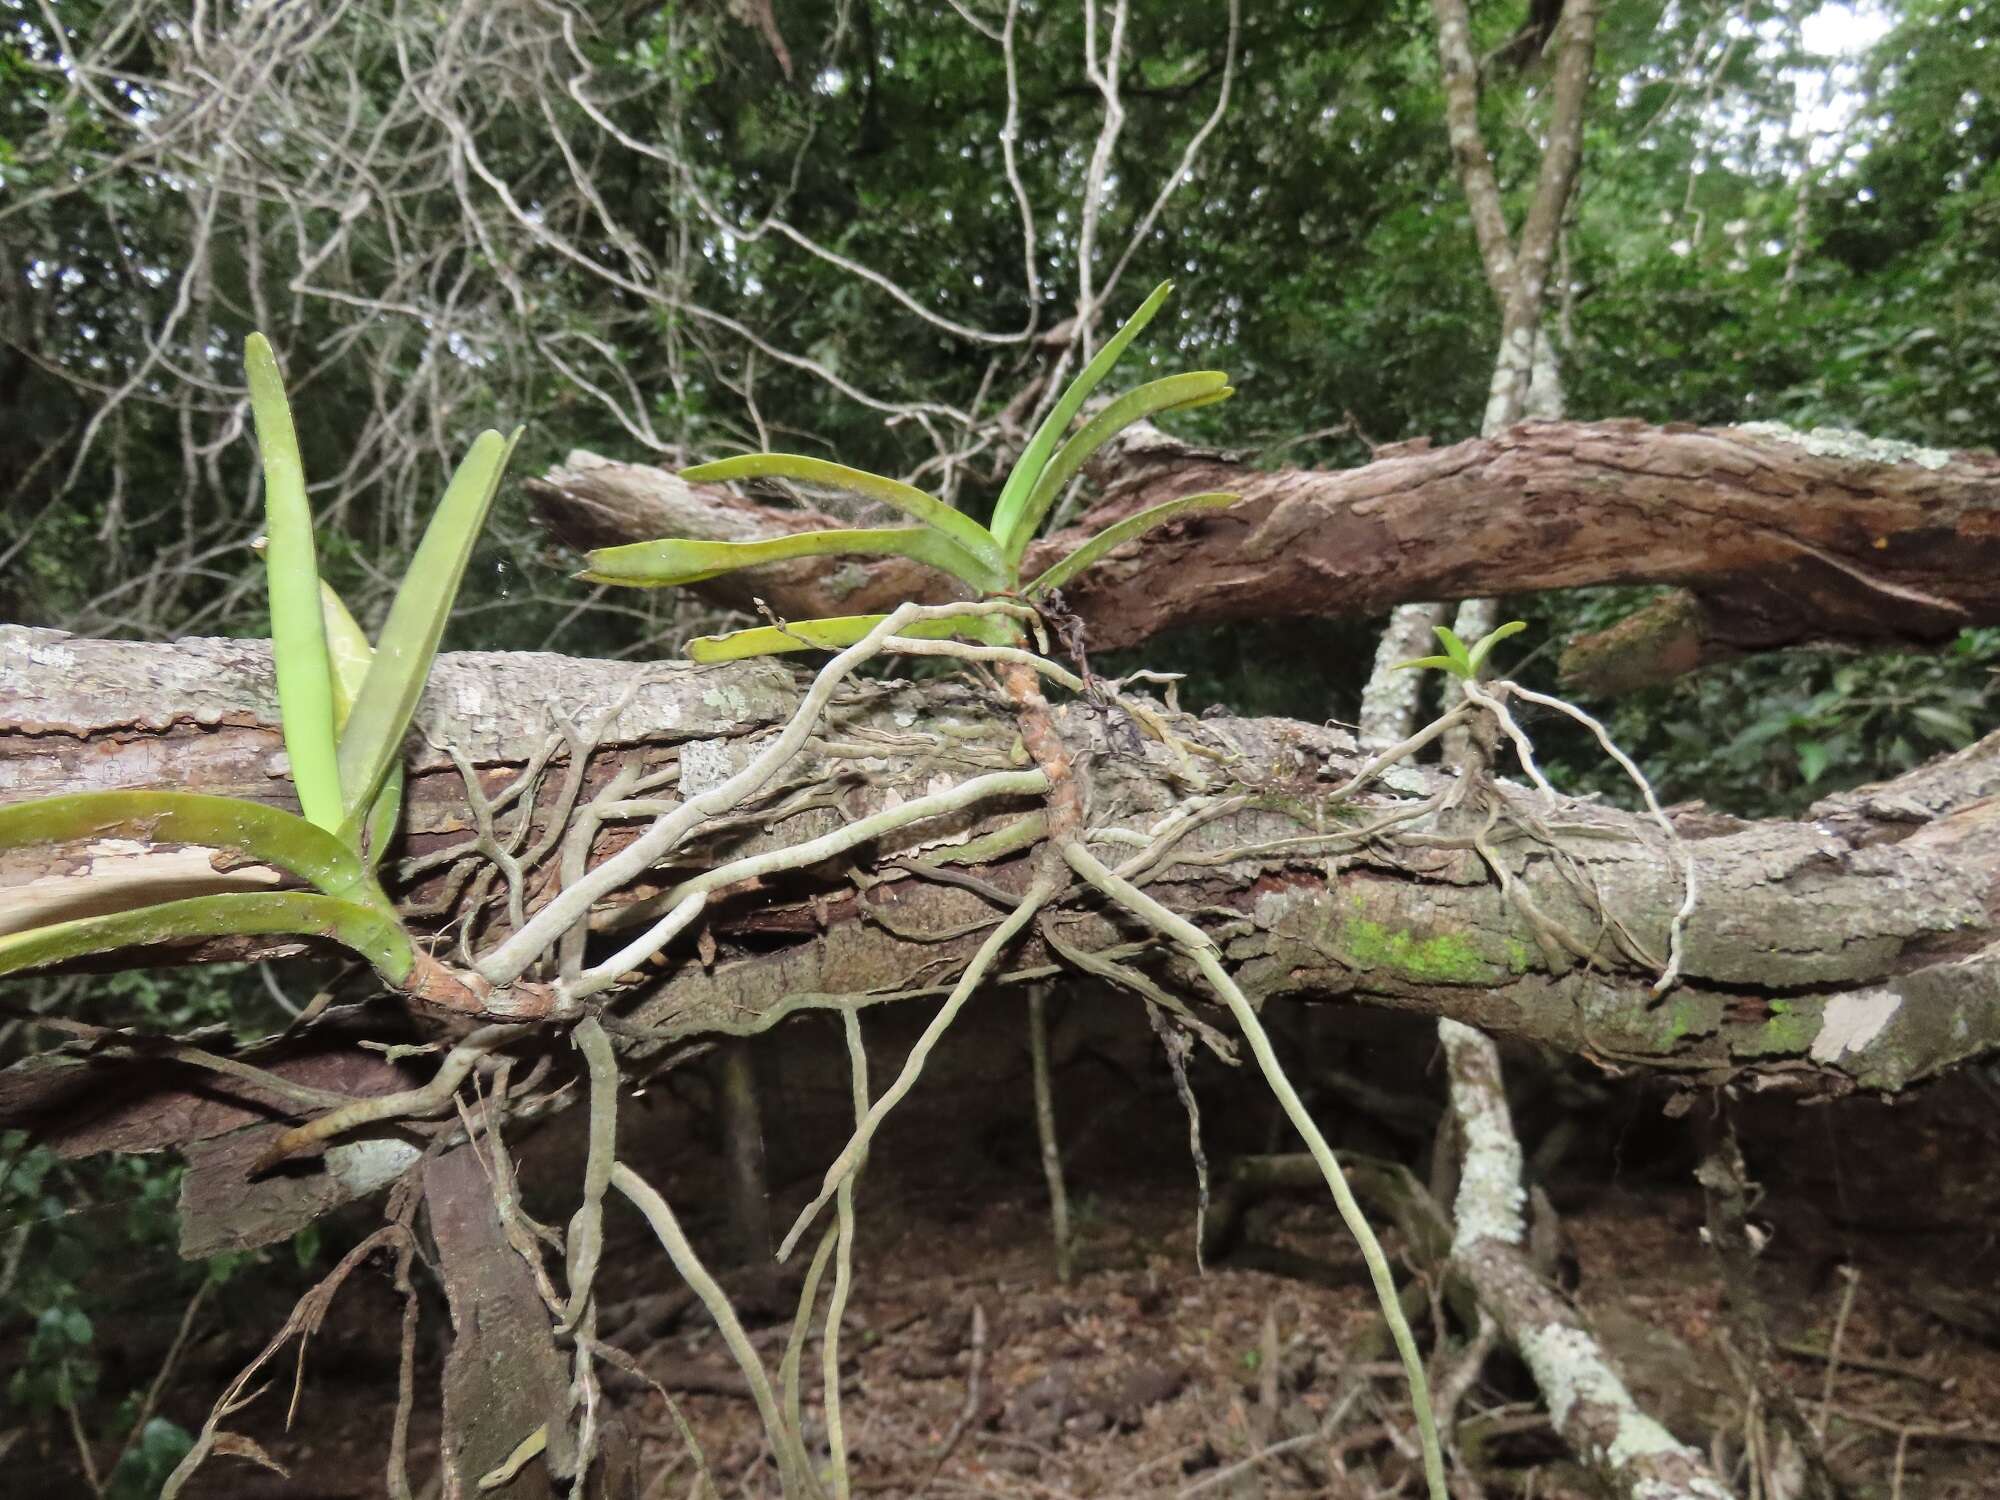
{"type": "Point", "coordinates": [1421, 663]}
{"type": "Point", "coordinates": [835, 633]}
{"type": "Point", "coordinates": [1176, 392]}
{"type": "Point", "coordinates": [1028, 472]}
{"type": "Point", "coordinates": [666, 563]}
{"type": "Point", "coordinates": [298, 642]}
{"type": "Point", "coordinates": [912, 502]}
{"type": "Point", "coordinates": [373, 739]}
{"type": "Point", "coordinates": [372, 934]}
{"type": "Point", "coordinates": [1123, 531]}
{"type": "Point", "coordinates": [263, 834]}
{"type": "Point", "coordinates": [347, 651]}
{"type": "Point", "coordinates": [1454, 648]}
{"type": "Point", "coordinates": [1476, 658]}
{"type": "Point", "coordinates": [347, 646]}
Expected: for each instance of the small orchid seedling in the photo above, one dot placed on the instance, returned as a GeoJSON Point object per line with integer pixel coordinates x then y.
{"type": "Point", "coordinates": [1460, 662]}
{"type": "Point", "coordinates": [344, 707]}
{"type": "Point", "coordinates": [987, 559]}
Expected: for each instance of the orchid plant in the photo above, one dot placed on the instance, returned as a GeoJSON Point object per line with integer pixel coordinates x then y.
{"type": "Point", "coordinates": [986, 559]}
{"type": "Point", "coordinates": [345, 706]}
{"type": "Point", "coordinates": [1459, 660]}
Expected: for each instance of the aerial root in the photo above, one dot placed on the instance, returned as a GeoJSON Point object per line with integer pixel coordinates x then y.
{"type": "Point", "coordinates": [1492, 697]}
{"type": "Point", "coordinates": [585, 1243]}
{"type": "Point", "coordinates": [1201, 948]}
{"type": "Point", "coordinates": [433, 1098]}
{"type": "Point", "coordinates": [1039, 892]}
{"type": "Point", "coordinates": [796, 1473]}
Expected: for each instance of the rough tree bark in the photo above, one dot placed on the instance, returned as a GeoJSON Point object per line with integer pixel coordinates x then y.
{"type": "Point", "coordinates": [1853, 949]}
{"type": "Point", "coordinates": [1784, 538]}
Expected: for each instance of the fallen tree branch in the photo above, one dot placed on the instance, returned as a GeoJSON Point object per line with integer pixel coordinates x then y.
{"type": "Point", "coordinates": [1628, 1452]}
{"type": "Point", "coordinates": [1784, 538]}
{"type": "Point", "coordinates": [1855, 949]}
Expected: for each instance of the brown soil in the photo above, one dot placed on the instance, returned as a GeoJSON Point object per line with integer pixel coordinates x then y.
{"type": "Point", "coordinates": [1147, 1377]}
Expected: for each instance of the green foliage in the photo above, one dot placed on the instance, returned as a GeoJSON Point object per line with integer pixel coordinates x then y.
{"type": "Point", "coordinates": [985, 559]}
{"type": "Point", "coordinates": [70, 1232]}
{"type": "Point", "coordinates": [1120, 532]}
{"type": "Point", "coordinates": [835, 633]}
{"type": "Point", "coordinates": [344, 713]}
{"type": "Point", "coordinates": [1458, 661]}
{"type": "Point", "coordinates": [347, 645]}
{"type": "Point", "coordinates": [291, 570]}
{"type": "Point", "coordinates": [256, 832]}
{"type": "Point", "coordinates": [1010, 522]}
{"type": "Point", "coordinates": [371, 931]}
{"type": "Point", "coordinates": [1769, 736]}
{"type": "Point", "coordinates": [1175, 393]}
{"type": "Point", "coordinates": [670, 563]}
{"type": "Point", "coordinates": [372, 738]}
{"type": "Point", "coordinates": [950, 524]}
{"type": "Point", "coordinates": [144, 1467]}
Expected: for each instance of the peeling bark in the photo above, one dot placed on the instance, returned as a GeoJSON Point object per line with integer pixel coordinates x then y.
{"type": "Point", "coordinates": [504, 1376]}
{"type": "Point", "coordinates": [1851, 950]}
{"type": "Point", "coordinates": [1786, 538]}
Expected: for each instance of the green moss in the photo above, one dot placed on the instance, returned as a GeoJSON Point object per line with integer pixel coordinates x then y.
{"type": "Point", "coordinates": [1445, 958]}
{"type": "Point", "coordinates": [1520, 958]}
{"type": "Point", "coordinates": [1788, 1031]}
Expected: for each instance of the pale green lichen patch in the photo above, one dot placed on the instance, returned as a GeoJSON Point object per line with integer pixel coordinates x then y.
{"type": "Point", "coordinates": [1490, 1195]}
{"type": "Point", "coordinates": [1852, 1021]}
{"type": "Point", "coordinates": [1570, 1370]}
{"type": "Point", "coordinates": [845, 579]}
{"type": "Point", "coordinates": [727, 698]}
{"type": "Point", "coordinates": [1843, 442]}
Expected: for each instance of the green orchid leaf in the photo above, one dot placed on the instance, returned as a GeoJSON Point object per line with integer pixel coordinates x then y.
{"type": "Point", "coordinates": [1028, 472]}
{"type": "Point", "coordinates": [664, 564]}
{"type": "Point", "coordinates": [298, 641]}
{"type": "Point", "coordinates": [837, 632]}
{"type": "Point", "coordinates": [1176, 392]}
{"type": "Point", "coordinates": [347, 649]}
{"type": "Point", "coordinates": [373, 934]}
{"type": "Point", "coordinates": [373, 738]}
{"type": "Point", "coordinates": [1442, 663]}
{"type": "Point", "coordinates": [1117, 535]}
{"type": "Point", "coordinates": [263, 834]}
{"type": "Point", "coordinates": [347, 644]}
{"type": "Point", "coordinates": [1492, 638]}
{"type": "Point", "coordinates": [912, 502]}
{"type": "Point", "coordinates": [1454, 648]}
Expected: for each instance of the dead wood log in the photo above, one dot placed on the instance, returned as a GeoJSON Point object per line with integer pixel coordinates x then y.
{"type": "Point", "coordinates": [1852, 950]}
{"type": "Point", "coordinates": [1781, 538]}
{"type": "Point", "coordinates": [1627, 1452]}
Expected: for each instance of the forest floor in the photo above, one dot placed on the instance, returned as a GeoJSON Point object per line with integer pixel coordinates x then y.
{"type": "Point", "coordinates": [969, 1371]}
